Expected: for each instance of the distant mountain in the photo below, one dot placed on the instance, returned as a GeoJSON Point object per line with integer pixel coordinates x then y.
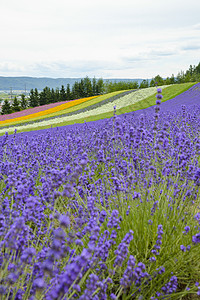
{"type": "Point", "coordinates": [28, 83]}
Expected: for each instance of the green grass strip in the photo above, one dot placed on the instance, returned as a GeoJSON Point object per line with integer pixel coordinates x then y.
{"type": "Point", "coordinates": [168, 93]}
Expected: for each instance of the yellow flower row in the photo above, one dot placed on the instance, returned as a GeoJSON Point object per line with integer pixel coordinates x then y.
{"type": "Point", "coordinates": [49, 111]}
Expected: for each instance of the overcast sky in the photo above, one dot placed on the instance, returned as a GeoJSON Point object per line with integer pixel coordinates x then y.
{"type": "Point", "coordinates": [101, 38]}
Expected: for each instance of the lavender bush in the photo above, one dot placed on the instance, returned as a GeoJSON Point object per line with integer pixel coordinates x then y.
{"type": "Point", "coordinates": [104, 210]}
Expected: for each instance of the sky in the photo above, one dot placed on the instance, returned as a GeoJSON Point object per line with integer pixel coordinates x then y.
{"type": "Point", "coordinates": [101, 38]}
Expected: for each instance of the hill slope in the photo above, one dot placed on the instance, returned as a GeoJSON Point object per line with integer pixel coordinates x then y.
{"type": "Point", "coordinates": [99, 108]}
{"type": "Point", "coordinates": [28, 83]}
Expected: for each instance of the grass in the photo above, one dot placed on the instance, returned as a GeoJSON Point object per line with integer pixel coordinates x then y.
{"type": "Point", "coordinates": [168, 93]}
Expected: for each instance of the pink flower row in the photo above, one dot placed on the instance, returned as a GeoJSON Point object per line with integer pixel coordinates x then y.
{"type": "Point", "coordinates": [30, 111]}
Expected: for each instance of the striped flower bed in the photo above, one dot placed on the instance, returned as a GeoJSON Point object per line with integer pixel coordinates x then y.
{"type": "Point", "coordinates": [93, 103]}
{"type": "Point", "coordinates": [131, 98]}
{"type": "Point", "coordinates": [30, 111]}
{"type": "Point", "coordinates": [80, 108]}
{"type": "Point", "coordinates": [48, 111]}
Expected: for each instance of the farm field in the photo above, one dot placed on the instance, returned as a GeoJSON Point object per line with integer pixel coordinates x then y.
{"type": "Point", "coordinates": [48, 107]}
{"type": "Point", "coordinates": [39, 112]}
{"type": "Point", "coordinates": [106, 209]}
{"type": "Point", "coordinates": [87, 109]}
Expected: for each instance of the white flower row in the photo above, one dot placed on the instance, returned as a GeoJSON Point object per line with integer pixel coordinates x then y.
{"type": "Point", "coordinates": [123, 101]}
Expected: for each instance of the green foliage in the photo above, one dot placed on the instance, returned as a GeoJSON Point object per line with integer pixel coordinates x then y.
{"type": "Point", "coordinates": [45, 97]}
{"type": "Point", "coordinates": [63, 96]}
{"type": "Point", "coordinates": [110, 86]}
{"type": "Point", "coordinates": [68, 92]}
{"type": "Point", "coordinates": [159, 80]}
{"type": "Point", "coordinates": [6, 108]}
{"type": "Point", "coordinates": [23, 102]}
{"type": "Point", "coordinates": [16, 105]}
{"type": "Point", "coordinates": [33, 99]}
{"type": "Point", "coordinates": [57, 95]}
{"type": "Point", "coordinates": [99, 87]}
{"type": "Point", "coordinates": [172, 79]}
{"type": "Point", "coordinates": [53, 97]}
{"type": "Point", "coordinates": [144, 84]}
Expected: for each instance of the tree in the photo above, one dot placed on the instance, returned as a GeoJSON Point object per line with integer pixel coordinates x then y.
{"type": "Point", "coordinates": [63, 96]}
{"type": "Point", "coordinates": [180, 78]}
{"type": "Point", "coordinates": [172, 79]}
{"type": "Point", "coordinates": [167, 81]}
{"type": "Point", "coordinates": [188, 76]}
{"type": "Point", "coordinates": [133, 85]}
{"type": "Point", "coordinates": [197, 69]}
{"type": "Point", "coordinates": [144, 84]}
{"type": "Point", "coordinates": [31, 98]}
{"type": "Point", "coordinates": [94, 82]}
{"type": "Point", "coordinates": [152, 83]}
{"type": "Point", "coordinates": [191, 70]}
{"type": "Point", "coordinates": [15, 105]}
{"type": "Point", "coordinates": [57, 95]}
{"type": "Point", "coordinates": [45, 96]}
{"type": "Point", "coordinates": [34, 98]}
{"type": "Point", "coordinates": [81, 89]}
{"type": "Point", "coordinates": [99, 86]}
{"type": "Point", "coordinates": [23, 102]}
{"type": "Point", "coordinates": [159, 80]}
{"type": "Point", "coordinates": [53, 97]}
{"type": "Point", "coordinates": [88, 92]}
{"type": "Point", "coordinates": [68, 93]}
{"type": "Point", "coordinates": [75, 90]}
{"type": "Point", "coordinates": [6, 108]}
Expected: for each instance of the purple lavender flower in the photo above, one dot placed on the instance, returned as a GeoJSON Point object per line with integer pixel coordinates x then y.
{"type": "Point", "coordinates": [156, 248]}
{"type": "Point", "coordinates": [39, 283]}
{"type": "Point", "coordinates": [196, 238]}
{"type": "Point", "coordinates": [28, 255]}
{"type": "Point", "coordinates": [158, 102]}
{"type": "Point", "coordinates": [159, 97]}
{"type": "Point", "coordinates": [64, 221]}
{"type": "Point", "coordinates": [171, 286]}
{"type": "Point", "coordinates": [113, 296]}
{"type": "Point", "coordinates": [114, 221]}
{"type": "Point", "coordinates": [122, 250]}
{"type": "Point", "coordinates": [183, 248]}
{"type": "Point", "coordinates": [187, 229]}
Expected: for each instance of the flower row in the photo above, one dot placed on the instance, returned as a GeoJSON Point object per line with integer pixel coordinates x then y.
{"type": "Point", "coordinates": [48, 111]}
{"type": "Point", "coordinates": [120, 102]}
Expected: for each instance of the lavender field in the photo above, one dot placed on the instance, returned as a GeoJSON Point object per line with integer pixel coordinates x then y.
{"type": "Point", "coordinates": [106, 209]}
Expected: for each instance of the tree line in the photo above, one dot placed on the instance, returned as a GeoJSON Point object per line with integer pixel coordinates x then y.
{"type": "Point", "coordinates": [87, 88]}
{"type": "Point", "coordinates": [191, 75]}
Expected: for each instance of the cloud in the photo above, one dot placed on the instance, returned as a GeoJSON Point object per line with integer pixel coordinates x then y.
{"type": "Point", "coordinates": [98, 38]}
{"type": "Point", "coordinates": [196, 26]}
{"type": "Point", "coordinates": [148, 55]}
{"type": "Point", "coordinates": [162, 52]}
{"type": "Point", "coordinates": [191, 47]}
{"type": "Point", "coordinates": [56, 69]}
{"type": "Point", "coordinates": [133, 59]}
{"type": "Point", "coordinates": [12, 68]}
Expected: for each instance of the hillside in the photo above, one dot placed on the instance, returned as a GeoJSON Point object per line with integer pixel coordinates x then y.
{"type": "Point", "coordinates": [106, 209]}
{"type": "Point", "coordinates": [96, 108]}
{"type": "Point", "coordinates": [22, 83]}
